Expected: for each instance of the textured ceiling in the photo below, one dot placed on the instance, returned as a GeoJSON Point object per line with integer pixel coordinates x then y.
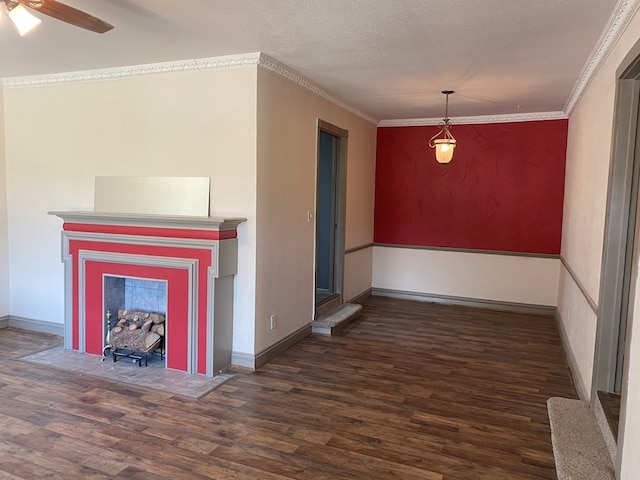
{"type": "Point", "coordinates": [387, 58]}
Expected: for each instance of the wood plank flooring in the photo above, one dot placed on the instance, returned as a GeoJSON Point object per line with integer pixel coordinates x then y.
{"type": "Point", "coordinates": [409, 390]}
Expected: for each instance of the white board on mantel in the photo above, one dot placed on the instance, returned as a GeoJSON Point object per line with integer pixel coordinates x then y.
{"type": "Point", "coordinates": [152, 195]}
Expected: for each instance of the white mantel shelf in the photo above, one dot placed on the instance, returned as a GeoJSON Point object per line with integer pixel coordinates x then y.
{"type": "Point", "coordinates": [150, 220]}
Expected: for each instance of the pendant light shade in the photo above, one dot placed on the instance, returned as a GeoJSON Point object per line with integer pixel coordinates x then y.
{"type": "Point", "coordinates": [444, 149]}
{"type": "Point", "coordinates": [23, 20]}
{"type": "Point", "coordinates": [446, 144]}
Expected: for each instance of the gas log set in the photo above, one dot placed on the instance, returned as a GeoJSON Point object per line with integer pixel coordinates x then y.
{"type": "Point", "coordinates": [135, 335]}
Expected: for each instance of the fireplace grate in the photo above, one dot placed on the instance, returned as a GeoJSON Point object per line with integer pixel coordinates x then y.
{"type": "Point", "coordinates": [135, 335]}
{"type": "Point", "coordinates": [134, 356]}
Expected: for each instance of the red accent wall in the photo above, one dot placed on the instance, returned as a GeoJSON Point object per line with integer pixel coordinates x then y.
{"type": "Point", "coordinates": [502, 191]}
{"type": "Point", "coordinates": [151, 231]}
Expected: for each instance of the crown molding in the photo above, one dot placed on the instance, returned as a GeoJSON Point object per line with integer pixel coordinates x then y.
{"type": "Point", "coordinates": [193, 65]}
{"type": "Point", "coordinates": [478, 119]}
{"type": "Point", "coordinates": [617, 23]}
{"type": "Point", "coordinates": [272, 65]}
{"type": "Point", "coordinates": [163, 68]}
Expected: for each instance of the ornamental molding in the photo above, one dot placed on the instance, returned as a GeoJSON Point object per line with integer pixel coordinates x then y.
{"type": "Point", "coordinates": [193, 65]}
{"type": "Point", "coordinates": [272, 65]}
{"type": "Point", "coordinates": [612, 32]}
{"type": "Point", "coordinates": [616, 25]}
{"type": "Point", "coordinates": [478, 119]}
{"type": "Point", "coordinates": [102, 74]}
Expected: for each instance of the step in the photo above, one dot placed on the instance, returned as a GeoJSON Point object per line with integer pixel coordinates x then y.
{"type": "Point", "coordinates": [328, 304]}
{"type": "Point", "coordinates": [579, 448]}
{"type": "Point", "coordinates": [608, 421]}
{"type": "Point", "coordinates": [335, 319]}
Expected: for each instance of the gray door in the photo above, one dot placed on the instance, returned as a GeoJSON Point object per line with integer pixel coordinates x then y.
{"type": "Point", "coordinates": [330, 214]}
{"type": "Point", "coordinates": [326, 212]}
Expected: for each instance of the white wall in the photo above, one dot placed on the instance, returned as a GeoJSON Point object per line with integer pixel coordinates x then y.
{"type": "Point", "coordinates": [60, 137]}
{"type": "Point", "coordinates": [4, 248]}
{"type": "Point", "coordinates": [588, 158]}
{"type": "Point", "coordinates": [499, 278]}
{"type": "Point", "coordinates": [186, 124]}
{"type": "Point", "coordinates": [287, 149]}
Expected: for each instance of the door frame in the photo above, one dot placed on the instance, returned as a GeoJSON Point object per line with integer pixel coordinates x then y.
{"type": "Point", "coordinates": [620, 235]}
{"type": "Point", "coordinates": [340, 207]}
{"type": "Point", "coordinates": [616, 249]}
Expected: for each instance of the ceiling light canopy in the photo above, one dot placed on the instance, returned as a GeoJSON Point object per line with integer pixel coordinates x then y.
{"type": "Point", "coordinates": [444, 146]}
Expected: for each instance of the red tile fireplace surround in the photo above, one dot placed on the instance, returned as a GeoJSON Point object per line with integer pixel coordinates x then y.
{"type": "Point", "coordinates": [196, 256]}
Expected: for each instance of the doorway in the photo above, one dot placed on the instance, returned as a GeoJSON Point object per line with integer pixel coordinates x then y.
{"type": "Point", "coordinates": [330, 212]}
{"type": "Point", "coordinates": [621, 243]}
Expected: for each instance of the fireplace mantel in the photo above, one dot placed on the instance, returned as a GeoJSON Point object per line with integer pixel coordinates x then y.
{"type": "Point", "coordinates": [195, 255]}
{"type": "Point", "coordinates": [150, 220]}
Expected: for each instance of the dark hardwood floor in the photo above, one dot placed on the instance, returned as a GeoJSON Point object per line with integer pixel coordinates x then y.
{"type": "Point", "coordinates": [409, 390]}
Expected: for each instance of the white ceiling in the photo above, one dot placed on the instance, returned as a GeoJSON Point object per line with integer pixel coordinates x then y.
{"type": "Point", "coordinates": [387, 58]}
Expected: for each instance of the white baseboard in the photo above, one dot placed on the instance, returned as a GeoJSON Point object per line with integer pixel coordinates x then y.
{"type": "Point", "coordinates": [242, 359]}
{"type": "Point", "coordinates": [36, 325]}
{"type": "Point", "coordinates": [4, 322]}
{"type": "Point", "coordinates": [469, 302]}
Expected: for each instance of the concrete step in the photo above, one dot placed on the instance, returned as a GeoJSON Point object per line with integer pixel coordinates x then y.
{"type": "Point", "coordinates": [335, 319]}
{"type": "Point", "coordinates": [328, 304]}
{"type": "Point", "coordinates": [604, 419]}
{"type": "Point", "coordinates": [579, 448]}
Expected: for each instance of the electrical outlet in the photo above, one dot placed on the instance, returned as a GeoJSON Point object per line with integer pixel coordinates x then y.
{"type": "Point", "coordinates": [273, 322]}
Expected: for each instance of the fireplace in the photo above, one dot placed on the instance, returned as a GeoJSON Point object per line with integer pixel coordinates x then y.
{"type": "Point", "coordinates": [194, 257]}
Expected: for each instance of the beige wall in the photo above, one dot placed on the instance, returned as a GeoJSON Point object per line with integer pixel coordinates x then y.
{"type": "Point", "coordinates": [573, 306]}
{"type": "Point", "coordinates": [587, 171]}
{"type": "Point", "coordinates": [4, 247]}
{"type": "Point", "coordinates": [588, 157]}
{"type": "Point", "coordinates": [287, 131]}
{"type": "Point", "coordinates": [60, 137]}
{"type": "Point", "coordinates": [360, 206]}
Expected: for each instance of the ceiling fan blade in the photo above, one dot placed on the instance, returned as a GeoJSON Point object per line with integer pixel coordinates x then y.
{"type": "Point", "coordinates": [68, 14]}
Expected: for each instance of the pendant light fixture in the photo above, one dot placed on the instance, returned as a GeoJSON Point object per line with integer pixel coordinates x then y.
{"type": "Point", "coordinates": [444, 146]}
